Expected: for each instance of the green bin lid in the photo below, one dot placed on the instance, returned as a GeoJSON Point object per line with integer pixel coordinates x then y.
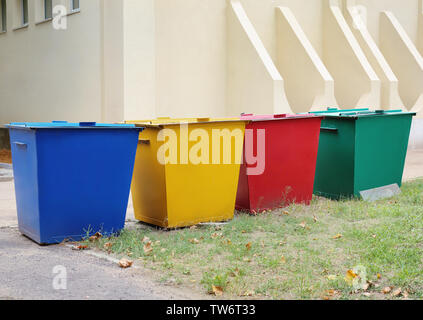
{"type": "Point", "coordinates": [359, 113]}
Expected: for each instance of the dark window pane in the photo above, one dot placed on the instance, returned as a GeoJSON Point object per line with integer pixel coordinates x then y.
{"type": "Point", "coordinates": [75, 4]}
{"type": "Point", "coordinates": [3, 17]}
{"type": "Point", "coordinates": [24, 11]}
{"type": "Point", "coordinates": [48, 9]}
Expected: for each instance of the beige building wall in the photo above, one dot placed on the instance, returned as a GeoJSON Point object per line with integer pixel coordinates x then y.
{"type": "Point", "coordinates": [137, 59]}
{"type": "Point", "coordinates": [190, 57]}
{"type": "Point", "coordinates": [46, 74]}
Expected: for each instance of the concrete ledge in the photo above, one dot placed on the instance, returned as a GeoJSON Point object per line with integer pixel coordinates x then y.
{"type": "Point", "coordinates": [6, 172]}
{"type": "Point", "coordinates": [416, 135]}
{"type": "Point", "coordinates": [4, 138]}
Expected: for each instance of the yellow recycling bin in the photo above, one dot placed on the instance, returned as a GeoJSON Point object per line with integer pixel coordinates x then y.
{"type": "Point", "coordinates": [186, 170]}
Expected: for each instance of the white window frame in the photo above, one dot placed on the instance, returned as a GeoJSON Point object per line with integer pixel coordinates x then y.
{"type": "Point", "coordinates": [75, 9]}
{"type": "Point", "coordinates": [24, 14]}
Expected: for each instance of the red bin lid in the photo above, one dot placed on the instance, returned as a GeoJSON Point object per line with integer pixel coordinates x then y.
{"type": "Point", "coordinates": [285, 116]}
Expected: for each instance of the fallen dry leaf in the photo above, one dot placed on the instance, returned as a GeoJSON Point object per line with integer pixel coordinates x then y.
{"type": "Point", "coordinates": [338, 236]}
{"type": "Point", "coordinates": [95, 237]}
{"type": "Point", "coordinates": [386, 290]}
{"type": "Point", "coordinates": [303, 224]}
{"type": "Point", "coordinates": [217, 291]}
{"type": "Point", "coordinates": [148, 248]}
{"type": "Point", "coordinates": [125, 263]}
{"type": "Point", "coordinates": [216, 235]}
{"type": "Point", "coordinates": [366, 286]}
{"type": "Point", "coordinates": [194, 241]}
{"type": "Point", "coordinates": [193, 227]}
{"type": "Point", "coordinates": [80, 247]}
{"type": "Point", "coordinates": [405, 294]}
{"type": "Point", "coordinates": [397, 292]}
{"type": "Point", "coordinates": [249, 293]}
{"type": "Point", "coordinates": [331, 277]}
{"type": "Point", "coordinates": [331, 292]}
{"type": "Point", "coordinates": [286, 213]}
{"type": "Point", "coordinates": [315, 218]}
{"type": "Point", "coordinates": [350, 276]}
{"type": "Point", "coordinates": [248, 246]}
{"type": "Point", "coordinates": [145, 239]}
{"type": "Point", "coordinates": [108, 245]}
{"type": "Point", "coordinates": [366, 294]}
{"type": "Point", "coordinates": [283, 260]}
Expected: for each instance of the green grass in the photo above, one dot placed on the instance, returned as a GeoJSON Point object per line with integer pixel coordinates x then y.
{"type": "Point", "coordinates": [287, 260]}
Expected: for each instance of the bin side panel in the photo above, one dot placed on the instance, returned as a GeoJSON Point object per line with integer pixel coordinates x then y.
{"type": "Point", "coordinates": [381, 149]}
{"type": "Point", "coordinates": [335, 159]}
{"type": "Point", "coordinates": [84, 181]}
{"type": "Point", "coordinates": [290, 163]}
{"type": "Point", "coordinates": [205, 192]}
{"type": "Point", "coordinates": [149, 184]}
{"type": "Point", "coordinates": [24, 154]}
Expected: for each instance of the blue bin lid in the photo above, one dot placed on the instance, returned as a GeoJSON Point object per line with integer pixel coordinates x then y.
{"type": "Point", "coordinates": [358, 113]}
{"type": "Point", "coordinates": [69, 125]}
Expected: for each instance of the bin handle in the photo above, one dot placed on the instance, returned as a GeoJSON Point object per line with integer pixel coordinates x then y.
{"type": "Point", "coordinates": [87, 124]}
{"type": "Point", "coordinates": [280, 116]}
{"type": "Point", "coordinates": [326, 129]}
{"type": "Point", "coordinates": [20, 144]}
{"type": "Point", "coordinates": [144, 141]}
{"type": "Point", "coordinates": [203, 119]}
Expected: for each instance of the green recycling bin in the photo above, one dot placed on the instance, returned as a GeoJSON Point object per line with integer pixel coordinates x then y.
{"type": "Point", "coordinates": [361, 150]}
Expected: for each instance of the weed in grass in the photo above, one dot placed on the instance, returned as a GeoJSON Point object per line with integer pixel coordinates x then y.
{"type": "Point", "coordinates": [214, 278]}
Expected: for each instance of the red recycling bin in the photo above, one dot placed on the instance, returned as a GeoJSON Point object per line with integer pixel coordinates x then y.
{"type": "Point", "coordinates": [280, 154]}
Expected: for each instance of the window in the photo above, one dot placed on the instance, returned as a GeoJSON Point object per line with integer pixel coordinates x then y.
{"type": "Point", "coordinates": [3, 16]}
{"type": "Point", "coordinates": [48, 9]}
{"type": "Point", "coordinates": [74, 5]}
{"type": "Point", "coordinates": [24, 7]}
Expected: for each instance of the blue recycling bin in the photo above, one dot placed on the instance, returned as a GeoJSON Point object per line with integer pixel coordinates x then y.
{"type": "Point", "coordinates": [72, 179]}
